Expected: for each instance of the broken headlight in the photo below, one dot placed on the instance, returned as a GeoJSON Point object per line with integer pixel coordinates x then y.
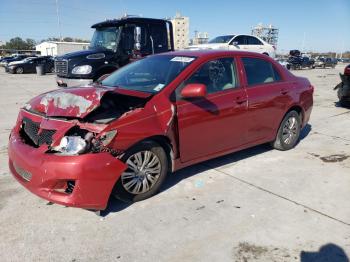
{"type": "Point", "coordinates": [71, 145]}
{"type": "Point", "coordinates": [107, 137]}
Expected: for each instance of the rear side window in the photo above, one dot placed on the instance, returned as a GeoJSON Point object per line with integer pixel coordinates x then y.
{"type": "Point", "coordinates": [253, 41]}
{"type": "Point", "coordinates": [259, 71]}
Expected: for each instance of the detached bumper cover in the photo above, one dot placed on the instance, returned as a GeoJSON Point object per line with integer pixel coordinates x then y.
{"type": "Point", "coordinates": [94, 174]}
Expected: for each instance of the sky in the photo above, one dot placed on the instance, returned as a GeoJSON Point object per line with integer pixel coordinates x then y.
{"type": "Point", "coordinates": [315, 25]}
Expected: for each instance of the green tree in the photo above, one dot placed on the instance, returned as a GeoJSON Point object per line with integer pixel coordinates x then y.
{"type": "Point", "coordinates": [18, 43]}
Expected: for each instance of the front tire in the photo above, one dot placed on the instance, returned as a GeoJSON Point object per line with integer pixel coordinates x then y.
{"type": "Point", "coordinates": [147, 169]}
{"type": "Point", "coordinates": [289, 132]}
{"type": "Point", "coordinates": [19, 70]}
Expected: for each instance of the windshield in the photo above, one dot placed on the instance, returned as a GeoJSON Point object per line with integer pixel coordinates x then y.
{"type": "Point", "coordinates": [150, 74]}
{"type": "Point", "coordinates": [105, 38]}
{"type": "Point", "coordinates": [221, 39]}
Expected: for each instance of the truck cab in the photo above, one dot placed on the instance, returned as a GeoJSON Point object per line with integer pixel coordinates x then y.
{"type": "Point", "coordinates": [114, 44]}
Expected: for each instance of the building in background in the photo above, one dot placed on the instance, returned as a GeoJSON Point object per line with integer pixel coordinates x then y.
{"type": "Point", "coordinates": [200, 38]}
{"type": "Point", "coordinates": [268, 33]}
{"type": "Point", "coordinates": [59, 48]}
{"type": "Point", "coordinates": [181, 27]}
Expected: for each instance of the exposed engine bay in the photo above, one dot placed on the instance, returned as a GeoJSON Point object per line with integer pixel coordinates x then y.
{"type": "Point", "coordinates": [113, 106]}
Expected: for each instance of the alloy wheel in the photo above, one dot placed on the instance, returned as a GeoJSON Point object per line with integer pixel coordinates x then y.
{"type": "Point", "coordinates": [290, 130]}
{"type": "Point", "coordinates": [143, 171]}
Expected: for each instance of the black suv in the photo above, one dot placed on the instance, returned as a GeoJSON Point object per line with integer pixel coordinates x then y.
{"type": "Point", "coordinates": [29, 65]}
{"type": "Point", "coordinates": [299, 62]}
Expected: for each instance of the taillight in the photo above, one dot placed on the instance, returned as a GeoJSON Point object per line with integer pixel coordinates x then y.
{"type": "Point", "coordinates": [312, 88]}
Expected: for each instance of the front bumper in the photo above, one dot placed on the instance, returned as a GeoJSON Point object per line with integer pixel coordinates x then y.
{"type": "Point", "coordinates": [70, 82]}
{"type": "Point", "coordinates": [94, 174]}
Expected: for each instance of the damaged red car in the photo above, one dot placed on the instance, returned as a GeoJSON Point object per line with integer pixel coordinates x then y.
{"type": "Point", "coordinates": [121, 137]}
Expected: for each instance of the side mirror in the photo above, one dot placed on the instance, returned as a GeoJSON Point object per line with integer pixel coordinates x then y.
{"type": "Point", "coordinates": [137, 38]}
{"type": "Point", "coordinates": [234, 43]}
{"type": "Point", "coordinates": [194, 90]}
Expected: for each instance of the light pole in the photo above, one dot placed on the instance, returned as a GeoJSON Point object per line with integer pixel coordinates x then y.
{"type": "Point", "coordinates": [58, 20]}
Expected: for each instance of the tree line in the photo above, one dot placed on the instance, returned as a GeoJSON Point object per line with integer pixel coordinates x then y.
{"type": "Point", "coordinates": [17, 43]}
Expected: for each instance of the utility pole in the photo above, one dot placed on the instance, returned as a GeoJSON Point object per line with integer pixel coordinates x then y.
{"type": "Point", "coordinates": [342, 50]}
{"type": "Point", "coordinates": [303, 43]}
{"type": "Point", "coordinates": [58, 20]}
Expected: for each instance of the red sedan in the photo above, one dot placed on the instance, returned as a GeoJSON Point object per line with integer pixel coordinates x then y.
{"type": "Point", "coordinates": [78, 146]}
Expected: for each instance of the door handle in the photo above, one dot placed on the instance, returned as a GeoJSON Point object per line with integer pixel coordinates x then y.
{"type": "Point", "coordinates": [241, 100]}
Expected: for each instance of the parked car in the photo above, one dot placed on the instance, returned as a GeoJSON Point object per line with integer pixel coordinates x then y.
{"type": "Point", "coordinates": [347, 70]}
{"type": "Point", "coordinates": [343, 88]}
{"type": "Point", "coordinates": [77, 146]}
{"type": "Point", "coordinates": [238, 42]}
{"type": "Point", "coordinates": [4, 62]}
{"type": "Point", "coordinates": [300, 62]}
{"type": "Point", "coordinates": [326, 62]}
{"type": "Point", "coordinates": [28, 65]}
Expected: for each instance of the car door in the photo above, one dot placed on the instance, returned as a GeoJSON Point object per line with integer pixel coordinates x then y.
{"type": "Point", "coordinates": [216, 122]}
{"type": "Point", "coordinates": [238, 42]}
{"type": "Point", "coordinates": [255, 45]}
{"type": "Point", "coordinates": [31, 66]}
{"type": "Point", "coordinates": [268, 94]}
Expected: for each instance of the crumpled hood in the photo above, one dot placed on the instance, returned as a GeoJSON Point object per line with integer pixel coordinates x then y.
{"type": "Point", "coordinates": [72, 102]}
{"type": "Point", "coordinates": [208, 46]}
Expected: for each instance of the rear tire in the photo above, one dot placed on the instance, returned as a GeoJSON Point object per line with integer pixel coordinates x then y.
{"type": "Point", "coordinates": [289, 132]}
{"type": "Point", "coordinates": [147, 169]}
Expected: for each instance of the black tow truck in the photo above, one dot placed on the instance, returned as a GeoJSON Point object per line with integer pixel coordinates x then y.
{"type": "Point", "coordinates": [114, 44]}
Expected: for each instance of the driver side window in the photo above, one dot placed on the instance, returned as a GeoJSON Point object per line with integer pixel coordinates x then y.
{"type": "Point", "coordinates": [217, 75]}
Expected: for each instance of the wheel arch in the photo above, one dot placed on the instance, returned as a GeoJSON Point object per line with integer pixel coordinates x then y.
{"type": "Point", "coordinates": [296, 108]}
{"type": "Point", "coordinates": [165, 143]}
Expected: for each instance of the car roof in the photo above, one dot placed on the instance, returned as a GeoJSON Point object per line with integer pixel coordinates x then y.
{"type": "Point", "coordinates": [125, 20]}
{"type": "Point", "coordinates": [211, 53]}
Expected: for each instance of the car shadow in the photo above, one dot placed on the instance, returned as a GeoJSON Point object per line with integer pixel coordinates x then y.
{"type": "Point", "coordinates": [115, 205]}
{"type": "Point", "coordinates": [338, 104]}
{"type": "Point", "coordinates": [328, 252]}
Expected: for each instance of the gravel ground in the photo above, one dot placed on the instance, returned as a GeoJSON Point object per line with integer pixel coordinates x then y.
{"type": "Point", "coordinates": [255, 205]}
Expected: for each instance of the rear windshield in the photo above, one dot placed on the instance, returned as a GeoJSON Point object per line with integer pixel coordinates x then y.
{"type": "Point", "coordinates": [221, 39]}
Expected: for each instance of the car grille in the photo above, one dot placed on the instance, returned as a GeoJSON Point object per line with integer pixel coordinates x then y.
{"type": "Point", "coordinates": [61, 67]}
{"type": "Point", "coordinates": [33, 135]}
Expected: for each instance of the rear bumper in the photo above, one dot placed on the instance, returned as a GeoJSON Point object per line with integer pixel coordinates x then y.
{"type": "Point", "coordinates": [70, 82]}
{"type": "Point", "coordinates": [94, 174]}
